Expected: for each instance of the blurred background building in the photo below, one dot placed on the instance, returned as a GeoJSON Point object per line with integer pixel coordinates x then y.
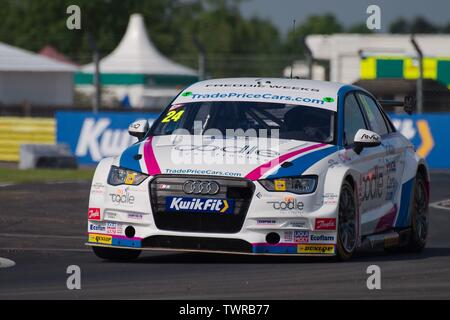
{"type": "Point", "coordinates": [27, 78]}
{"type": "Point", "coordinates": [148, 51]}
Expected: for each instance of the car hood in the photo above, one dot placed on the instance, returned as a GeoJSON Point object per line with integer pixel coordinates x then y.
{"type": "Point", "coordinates": [251, 158]}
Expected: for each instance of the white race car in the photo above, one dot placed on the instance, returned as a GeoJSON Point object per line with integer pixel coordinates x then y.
{"type": "Point", "coordinates": [262, 166]}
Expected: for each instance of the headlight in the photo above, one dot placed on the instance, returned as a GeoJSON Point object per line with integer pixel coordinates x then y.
{"type": "Point", "coordinates": [118, 176]}
{"type": "Point", "coordinates": [298, 185]}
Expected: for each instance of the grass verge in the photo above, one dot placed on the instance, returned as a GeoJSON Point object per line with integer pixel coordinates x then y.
{"type": "Point", "coordinates": [8, 175]}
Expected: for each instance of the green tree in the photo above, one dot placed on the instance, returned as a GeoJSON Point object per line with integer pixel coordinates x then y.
{"type": "Point", "coordinates": [400, 26]}
{"type": "Point", "coordinates": [422, 25]}
{"type": "Point", "coordinates": [172, 24]}
{"type": "Point", "coordinates": [418, 25]}
{"type": "Point", "coordinates": [359, 28]}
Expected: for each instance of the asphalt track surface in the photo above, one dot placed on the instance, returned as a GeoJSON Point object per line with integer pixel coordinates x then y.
{"type": "Point", "coordinates": [42, 229]}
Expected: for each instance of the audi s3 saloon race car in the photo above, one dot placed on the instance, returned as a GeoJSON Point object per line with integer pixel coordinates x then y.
{"type": "Point", "coordinates": [262, 166]}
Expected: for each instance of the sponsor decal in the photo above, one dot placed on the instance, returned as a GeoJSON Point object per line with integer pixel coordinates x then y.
{"type": "Point", "coordinates": [322, 238]}
{"type": "Point", "coordinates": [122, 196]}
{"type": "Point", "coordinates": [391, 188]}
{"type": "Point", "coordinates": [187, 204]}
{"type": "Point", "coordinates": [289, 204]}
{"type": "Point", "coordinates": [203, 172]}
{"type": "Point", "coordinates": [257, 96]}
{"type": "Point", "coordinates": [135, 216]}
{"type": "Point", "coordinates": [97, 188]}
{"type": "Point", "coordinates": [344, 156]}
{"type": "Point", "coordinates": [266, 221]}
{"type": "Point", "coordinates": [373, 137]}
{"type": "Point", "coordinates": [315, 248]}
{"type": "Point", "coordinates": [299, 224]}
{"type": "Point", "coordinates": [372, 184]}
{"type": "Point", "coordinates": [330, 198]}
{"type": "Point", "coordinates": [301, 236]}
{"type": "Point", "coordinates": [100, 238]}
{"type": "Point", "coordinates": [114, 228]}
{"type": "Point", "coordinates": [96, 227]}
{"type": "Point", "coordinates": [332, 163]}
{"type": "Point", "coordinates": [288, 236]}
{"type": "Point", "coordinates": [110, 215]}
{"type": "Point", "coordinates": [258, 84]}
{"type": "Point", "coordinates": [94, 214]}
{"type": "Point", "coordinates": [325, 224]}
{"type": "Point", "coordinates": [246, 150]}
{"type": "Point", "coordinates": [280, 185]}
{"type": "Point", "coordinates": [130, 178]}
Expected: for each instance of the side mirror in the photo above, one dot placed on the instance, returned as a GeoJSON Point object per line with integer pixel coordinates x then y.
{"type": "Point", "coordinates": [365, 139]}
{"type": "Point", "coordinates": [138, 129]}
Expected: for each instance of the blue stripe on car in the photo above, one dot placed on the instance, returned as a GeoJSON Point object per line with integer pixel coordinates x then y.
{"type": "Point", "coordinates": [262, 248]}
{"type": "Point", "coordinates": [403, 219]}
{"type": "Point", "coordinates": [302, 163]}
{"type": "Point", "coordinates": [127, 158]}
{"type": "Point", "coordinates": [126, 242]}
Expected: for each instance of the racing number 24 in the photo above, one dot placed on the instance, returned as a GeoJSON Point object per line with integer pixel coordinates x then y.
{"type": "Point", "coordinates": [173, 116]}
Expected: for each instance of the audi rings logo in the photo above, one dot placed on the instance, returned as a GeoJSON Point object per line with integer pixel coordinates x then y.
{"type": "Point", "coordinates": [201, 187]}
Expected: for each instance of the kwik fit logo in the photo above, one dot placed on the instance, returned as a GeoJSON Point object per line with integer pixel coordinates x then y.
{"type": "Point", "coordinates": [187, 204]}
{"type": "Point", "coordinates": [101, 138]}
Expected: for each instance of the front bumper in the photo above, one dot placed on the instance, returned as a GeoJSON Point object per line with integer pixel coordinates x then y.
{"type": "Point", "coordinates": [131, 225]}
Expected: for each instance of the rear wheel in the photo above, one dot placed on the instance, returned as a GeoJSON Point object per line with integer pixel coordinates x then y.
{"type": "Point", "coordinates": [346, 242]}
{"type": "Point", "coordinates": [419, 216]}
{"type": "Point", "coordinates": [116, 254]}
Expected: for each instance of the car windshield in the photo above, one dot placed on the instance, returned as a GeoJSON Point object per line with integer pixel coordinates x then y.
{"type": "Point", "coordinates": [284, 121]}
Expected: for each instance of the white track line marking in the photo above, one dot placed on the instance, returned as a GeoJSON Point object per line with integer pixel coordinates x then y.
{"type": "Point", "coordinates": [22, 235]}
{"type": "Point", "coordinates": [6, 263]}
{"type": "Point", "coordinates": [438, 205]}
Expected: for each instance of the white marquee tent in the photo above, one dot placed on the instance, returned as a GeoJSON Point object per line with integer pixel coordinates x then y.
{"type": "Point", "coordinates": [28, 77]}
{"type": "Point", "coordinates": [137, 70]}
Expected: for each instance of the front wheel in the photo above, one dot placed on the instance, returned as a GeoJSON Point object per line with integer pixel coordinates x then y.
{"type": "Point", "coordinates": [124, 255]}
{"type": "Point", "coordinates": [346, 230]}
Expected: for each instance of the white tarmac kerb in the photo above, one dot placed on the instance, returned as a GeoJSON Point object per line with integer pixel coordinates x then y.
{"type": "Point", "coordinates": [6, 263]}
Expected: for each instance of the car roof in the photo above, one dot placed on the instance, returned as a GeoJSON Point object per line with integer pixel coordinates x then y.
{"type": "Point", "coordinates": [321, 94]}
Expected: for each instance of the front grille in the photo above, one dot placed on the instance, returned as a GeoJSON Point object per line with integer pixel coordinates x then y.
{"type": "Point", "coordinates": [191, 243]}
{"type": "Point", "coordinates": [163, 186]}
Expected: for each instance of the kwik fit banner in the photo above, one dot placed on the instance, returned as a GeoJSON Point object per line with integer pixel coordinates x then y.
{"type": "Point", "coordinates": [430, 134]}
{"type": "Point", "coordinates": [92, 137]}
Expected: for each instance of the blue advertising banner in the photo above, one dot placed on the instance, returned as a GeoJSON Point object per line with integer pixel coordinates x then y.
{"type": "Point", "coordinates": [430, 134]}
{"type": "Point", "coordinates": [92, 137]}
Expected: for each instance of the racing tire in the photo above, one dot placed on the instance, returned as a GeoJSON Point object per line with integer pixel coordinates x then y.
{"type": "Point", "coordinates": [346, 226]}
{"type": "Point", "coordinates": [120, 255]}
{"type": "Point", "coordinates": [419, 217]}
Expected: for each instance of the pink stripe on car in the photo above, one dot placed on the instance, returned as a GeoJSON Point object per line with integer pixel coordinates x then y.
{"type": "Point", "coordinates": [150, 159]}
{"type": "Point", "coordinates": [261, 170]}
